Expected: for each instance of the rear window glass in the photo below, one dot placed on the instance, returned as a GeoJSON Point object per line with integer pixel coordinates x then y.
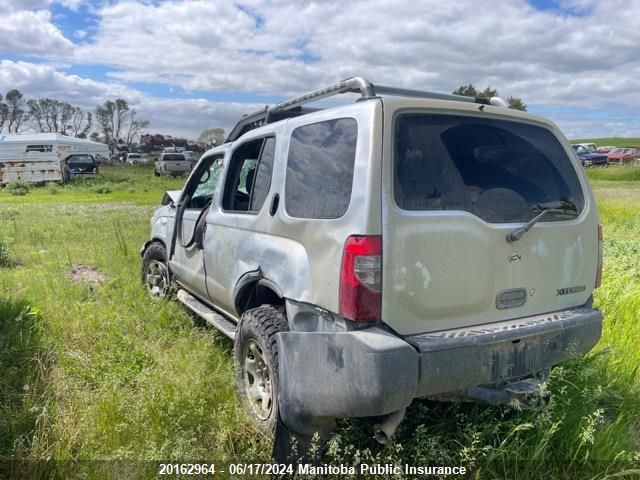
{"type": "Point", "coordinates": [498, 170]}
{"type": "Point", "coordinates": [80, 159]}
{"type": "Point", "coordinates": [174, 157]}
{"type": "Point", "coordinates": [320, 169]}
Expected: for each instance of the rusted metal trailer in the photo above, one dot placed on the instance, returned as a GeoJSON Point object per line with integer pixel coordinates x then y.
{"type": "Point", "coordinates": [43, 157]}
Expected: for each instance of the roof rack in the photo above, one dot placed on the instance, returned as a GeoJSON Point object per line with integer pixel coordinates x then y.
{"type": "Point", "coordinates": [294, 106]}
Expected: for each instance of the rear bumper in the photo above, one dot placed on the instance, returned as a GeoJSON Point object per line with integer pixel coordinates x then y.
{"type": "Point", "coordinates": [372, 372]}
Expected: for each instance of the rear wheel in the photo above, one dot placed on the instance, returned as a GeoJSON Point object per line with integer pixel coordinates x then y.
{"type": "Point", "coordinates": [256, 364]}
{"type": "Point", "coordinates": [154, 272]}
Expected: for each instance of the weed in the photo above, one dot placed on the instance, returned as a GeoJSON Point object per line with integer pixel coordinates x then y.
{"type": "Point", "coordinates": [5, 259]}
{"type": "Point", "coordinates": [133, 379]}
{"type": "Point", "coordinates": [102, 189]}
{"type": "Point", "coordinates": [18, 187]}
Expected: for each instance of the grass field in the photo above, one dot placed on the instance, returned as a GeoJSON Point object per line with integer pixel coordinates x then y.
{"type": "Point", "coordinates": [90, 368]}
{"type": "Point", "coordinates": [617, 141]}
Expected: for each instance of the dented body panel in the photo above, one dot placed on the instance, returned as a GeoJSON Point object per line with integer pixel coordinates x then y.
{"type": "Point", "coordinates": [373, 372]}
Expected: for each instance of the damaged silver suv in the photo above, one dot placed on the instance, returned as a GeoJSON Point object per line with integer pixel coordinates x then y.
{"type": "Point", "coordinates": [407, 245]}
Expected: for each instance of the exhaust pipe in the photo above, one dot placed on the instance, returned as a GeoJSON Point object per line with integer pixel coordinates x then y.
{"type": "Point", "coordinates": [389, 425]}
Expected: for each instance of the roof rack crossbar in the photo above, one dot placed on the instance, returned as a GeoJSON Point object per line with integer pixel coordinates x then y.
{"type": "Point", "coordinates": [405, 92]}
{"type": "Point", "coordinates": [354, 84]}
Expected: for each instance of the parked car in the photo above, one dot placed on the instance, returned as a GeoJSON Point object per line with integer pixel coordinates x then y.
{"type": "Point", "coordinates": [172, 163]}
{"type": "Point", "coordinates": [80, 166]}
{"type": "Point", "coordinates": [190, 156]}
{"type": "Point", "coordinates": [605, 149]}
{"type": "Point", "coordinates": [589, 159]}
{"type": "Point", "coordinates": [623, 155]}
{"type": "Point", "coordinates": [134, 158]}
{"type": "Point", "coordinates": [407, 245]}
{"type": "Point", "coordinates": [592, 147]}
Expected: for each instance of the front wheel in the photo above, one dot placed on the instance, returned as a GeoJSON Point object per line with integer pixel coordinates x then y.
{"type": "Point", "coordinates": [256, 364]}
{"type": "Point", "coordinates": [154, 271]}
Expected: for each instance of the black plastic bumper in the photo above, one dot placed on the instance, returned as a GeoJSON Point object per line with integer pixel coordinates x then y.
{"type": "Point", "coordinates": [372, 372]}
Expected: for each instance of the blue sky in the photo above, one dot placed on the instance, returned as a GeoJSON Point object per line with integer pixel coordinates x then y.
{"type": "Point", "coordinates": [191, 65]}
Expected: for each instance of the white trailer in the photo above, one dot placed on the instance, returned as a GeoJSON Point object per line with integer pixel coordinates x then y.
{"type": "Point", "coordinates": [42, 157]}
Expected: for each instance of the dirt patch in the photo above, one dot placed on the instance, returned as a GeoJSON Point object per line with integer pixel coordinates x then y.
{"type": "Point", "coordinates": [86, 274]}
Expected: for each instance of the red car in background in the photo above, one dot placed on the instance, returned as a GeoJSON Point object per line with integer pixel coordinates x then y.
{"type": "Point", "coordinates": [623, 155]}
{"type": "Point", "coordinates": [606, 149]}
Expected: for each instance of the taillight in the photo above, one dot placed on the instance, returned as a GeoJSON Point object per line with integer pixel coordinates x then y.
{"type": "Point", "coordinates": [599, 271]}
{"type": "Point", "coordinates": [361, 279]}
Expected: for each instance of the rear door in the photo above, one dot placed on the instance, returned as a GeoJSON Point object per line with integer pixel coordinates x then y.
{"type": "Point", "coordinates": [454, 187]}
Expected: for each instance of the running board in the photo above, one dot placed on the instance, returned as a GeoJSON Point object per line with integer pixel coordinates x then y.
{"type": "Point", "coordinates": [208, 314]}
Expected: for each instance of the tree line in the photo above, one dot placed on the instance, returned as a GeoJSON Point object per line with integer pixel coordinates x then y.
{"type": "Point", "coordinates": [111, 122]}
{"type": "Point", "coordinates": [115, 122]}
{"type": "Point", "coordinates": [471, 91]}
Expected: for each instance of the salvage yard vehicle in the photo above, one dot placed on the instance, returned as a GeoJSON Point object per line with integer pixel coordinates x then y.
{"type": "Point", "coordinates": [80, 166]}
{"type": "Point", "coordinates": [134, 159]}
{"type": "Point", "coordinates": [46, 157]}
{"type": "Point", "coordinates": [408, 245]}
{"type": "Point", "coordinates": [172, 163]}
{"type": "Point", "coordinates": [624, 155]}
{"type": "Point", "coordinates": [589, 159]}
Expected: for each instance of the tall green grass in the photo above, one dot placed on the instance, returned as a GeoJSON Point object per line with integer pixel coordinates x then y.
{"type": "Point", "coordinates": [627, 173]}
{"type": "Point", "coordinates": [122, 183]}
{"type": "Point", "coordinates": [118, 376]}
{"type": "Point", "coordinates": [615, 141]}
{"type": "Point", "coordinates": [24, 363]}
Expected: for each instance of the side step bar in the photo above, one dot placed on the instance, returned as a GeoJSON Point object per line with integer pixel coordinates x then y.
{"type": "Point", "coordinates": [209, 315]}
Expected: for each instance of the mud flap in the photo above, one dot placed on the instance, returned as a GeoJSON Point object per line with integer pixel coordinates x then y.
{"type": "Point", "coordinates": [323, 376]}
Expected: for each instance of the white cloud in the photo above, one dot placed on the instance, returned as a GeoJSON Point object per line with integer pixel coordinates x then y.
{"type": "Point", "coordinates": [581, 55]}
{"type": "Point", "coordinates": [181, 117]}
{"type": "Point", "coordinates": [263, 45]}
{"type": "Point", "coordinates": [31, 32]}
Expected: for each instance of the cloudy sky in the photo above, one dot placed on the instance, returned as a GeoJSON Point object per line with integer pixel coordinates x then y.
{"type": "Point", "coordinates": [191, 65]}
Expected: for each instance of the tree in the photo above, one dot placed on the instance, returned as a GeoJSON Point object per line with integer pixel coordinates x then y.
{"type": "Point", "coordinates": [49, 115]}
{"type": "Point", "coordinates": [213, 136]}
{"type": "Point", "coordinates": [517, 103]}
{"type": "Point", "coordinates": [16, 114]}
{"type": "Point", "coordinates": [4, 113]}
{"type": "Point", "coordinates": [115, 120]}
{"type": "Point", "coordinates": [135, 126]}
{"type": "Point", "coordinates": [471, 91]}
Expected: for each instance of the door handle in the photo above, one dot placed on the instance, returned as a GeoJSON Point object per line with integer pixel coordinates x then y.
{"type": "Point", "coordinates": [275, 201]}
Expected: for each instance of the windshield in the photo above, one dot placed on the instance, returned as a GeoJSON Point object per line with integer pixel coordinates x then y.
{"type": "Point", "coordinates": [498, 170]}
{"type": "Point", "coordinates": [580, 150]}
{"type": "Point", "coordinates": [73, 159]}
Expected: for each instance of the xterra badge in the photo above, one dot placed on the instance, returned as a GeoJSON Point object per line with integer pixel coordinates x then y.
{"type": "Point", "coordinates": [570, 290]}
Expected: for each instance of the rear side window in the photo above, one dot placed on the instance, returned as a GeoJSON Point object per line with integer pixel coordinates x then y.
{"type": "Point", "coordinates": [498, 170]}
{"type": "Point", "coordinates": [320, 169]}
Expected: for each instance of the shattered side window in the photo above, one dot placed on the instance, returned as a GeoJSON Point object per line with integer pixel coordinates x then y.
{"type": "Point", "coordinates": [320, 169]}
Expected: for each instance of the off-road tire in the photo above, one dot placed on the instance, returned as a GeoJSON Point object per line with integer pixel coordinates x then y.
{"type": "Point", "coordinates": [154, 263]}
{"type": "Point", "coordinates": [258, 328]}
